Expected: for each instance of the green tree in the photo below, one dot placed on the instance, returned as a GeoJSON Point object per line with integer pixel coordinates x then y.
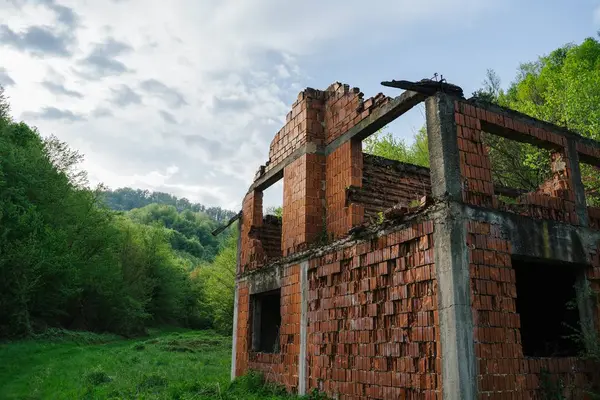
{"type": "Point", "coordinates": [387, 146]}
{"type": "Point", "coordinates": [563, 88]}
{"type": "Point", "coordinates": [219, 281]}
{"type": "Point", "coordinates": [67, 261]}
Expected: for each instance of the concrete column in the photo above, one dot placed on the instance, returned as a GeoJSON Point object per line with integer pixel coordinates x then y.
{"type": "Point", "coordinates": [451, 254]}
{"type": "Point", "coordinates": [236, 300]}
{"type": "Point", "coordinates": [302, 365]}
{"type": "Point", "coordinates": [234, 338]}
{"type": "Point", "coordinates": [443, 147]}
{"type": "Point", "coordinates": [577, 184]}
{"type": "Point", "coordinates": [585, 303]}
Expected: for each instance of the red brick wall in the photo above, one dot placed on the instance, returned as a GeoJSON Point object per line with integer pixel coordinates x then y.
{"type": "Point", "coordinates": [343, 168]}
{"type": "Point", "coordinates": [243, 329]}
{"type": "Point", "coordinates": [372, 328]}
{"type": "Point", "coordinates": [252, 254]}
{"type": "Point", "coordinates": [503, 371]}
{"type": "Point", "coordinates": [318, 117]}
{"type": "Point", "coordinates": [386, 183]}
{"type": "Point", "coordinates": [345, 108]}
{"type": "Point", "coordinates": [302, 205]}
{"type": "Point", "coordinates": [282, 367]}
{"type": "Point", "coordinates": [270, 237]}
{"type": "Point", "coordinates": [555, 200]}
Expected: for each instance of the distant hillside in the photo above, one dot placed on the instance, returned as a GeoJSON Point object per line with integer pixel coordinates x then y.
{"type": "Point", "coordinates": [125, 199]}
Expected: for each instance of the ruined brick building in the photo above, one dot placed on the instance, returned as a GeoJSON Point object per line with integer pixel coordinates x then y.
{"type": "Point", "coordinates": [457, 294]}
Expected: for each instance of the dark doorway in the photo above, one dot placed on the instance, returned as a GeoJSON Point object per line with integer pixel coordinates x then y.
{"type": "Point", "coordinates": [544, 291]}
{"type": "Point", "coordinates": [266, 320]}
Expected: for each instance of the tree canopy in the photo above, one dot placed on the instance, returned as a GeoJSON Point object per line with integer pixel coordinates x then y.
{"type": "Point", "coordinates": [66, 260]}
{"type": "Point", "coordinates": [125, 199]}
{"type": "Point", "coordinates": [384, 144]}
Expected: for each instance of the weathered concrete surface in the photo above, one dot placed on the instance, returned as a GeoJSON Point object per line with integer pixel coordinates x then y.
{"type": "Point", "coordinates": [539, 238]}
{"type": "Point", "coordinates": [451, 254]}
{"type": "Point", "coordinates": [302, 357]}
{"type": "Point", "coordinates": [443, 148]}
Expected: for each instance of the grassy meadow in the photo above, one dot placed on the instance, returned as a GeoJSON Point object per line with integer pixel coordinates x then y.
{"type": "Point", "coordinates": [165, 365]}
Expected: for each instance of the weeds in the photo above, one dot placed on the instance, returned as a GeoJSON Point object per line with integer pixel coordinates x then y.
{"type": "Point", "coordinates": [97, 377]}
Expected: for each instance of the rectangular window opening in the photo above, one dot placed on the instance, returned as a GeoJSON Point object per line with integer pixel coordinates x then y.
{"type": "Point", "coordinates": [590, 177]}
{"type": "Point", "coordinates": [545, 297]}
{"type": "Point", "coordinates": [266, 321]}
{"type": "Point", "coordinates": [271, 230]}
{"type": "Point", "coordinates": [516, 167]}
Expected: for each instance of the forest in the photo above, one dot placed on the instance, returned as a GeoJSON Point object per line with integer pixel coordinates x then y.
{"type": "Point", "coordinates": [125, 260]}
{"type": "Point", "coordinates": [99, 260]}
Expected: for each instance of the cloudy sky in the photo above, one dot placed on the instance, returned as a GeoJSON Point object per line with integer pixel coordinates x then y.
{"type": "Point", "coordinates": [184, 96]}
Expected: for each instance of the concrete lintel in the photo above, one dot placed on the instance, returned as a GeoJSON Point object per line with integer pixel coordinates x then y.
{"type": "Point", "coordinates": [378, 119]}
{"type": "Point", "coordinates": [459, 364]}
{"type": "Point", "coordinates": [302, 364]}
{"type": "Point", "coordinates": [273, 175]}
{"type": "Point", "coordinates": [265, 279]}
{"type": "Point", "coordinates": [536, 238]}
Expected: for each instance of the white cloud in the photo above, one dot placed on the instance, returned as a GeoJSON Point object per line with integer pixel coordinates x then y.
{"type": "Point", "coordinates": [200, 85]}
{"type": "Point", "coordinates": [596, 15]}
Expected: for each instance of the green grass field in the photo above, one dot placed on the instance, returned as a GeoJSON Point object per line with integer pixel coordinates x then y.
{"type": "Point", "coordinates": [165, 365]}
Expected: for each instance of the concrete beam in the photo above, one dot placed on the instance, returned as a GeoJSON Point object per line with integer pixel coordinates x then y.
{"type": "Point", "coordinates": [265, 279]}
{"type": "Point", "coordinates": [526, 119]}
{"type": "Point", "coordinates": [275, 174]}
{"type": "Point", "coordinates": [534, 238]}
{"type": "Point", "coordinates": [378, 119]}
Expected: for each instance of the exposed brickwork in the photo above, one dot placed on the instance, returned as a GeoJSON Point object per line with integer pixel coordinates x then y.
{"type": "Point", "coordinates": [252, 254]}
{"type": "Point", "coordinates": [343, 169]}
{"type": "Point", "coordinates": [554, 200]}
{"type": "Point", "coordinates": [303, 125]}
{"type": "Point", "coordinates": [370, 312]}
{"type": "Point", "coordinates": [594, 215]}
{"type": "Point", "coordinates": [373, 319]}
{"type": "Point", "coordinates": [386, 183]}
{"type": "Point", "coordinates": [503, 370]}
{"type": "Point", "coordinates": [282, 367]}
{"type": "Point", "coordinates": [270, 237]}
{"type": "Point", "coordinates": [243, 329]}
{"type": "Point", "coordinates": [302, 205]}
{"type": "Point", "coordinates": [346, 108]}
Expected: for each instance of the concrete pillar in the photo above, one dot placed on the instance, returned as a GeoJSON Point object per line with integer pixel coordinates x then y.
{"type": "Point", "coordinates": [451, 255]}
{"type": "Point", "coordinates": [442, 137]}
{"type": "Point", "coordinates": [302, 365]}
{"type": "Point", "coordinates": [577, 184]}
{"type": "Point", "coordinates": [236, 300]}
